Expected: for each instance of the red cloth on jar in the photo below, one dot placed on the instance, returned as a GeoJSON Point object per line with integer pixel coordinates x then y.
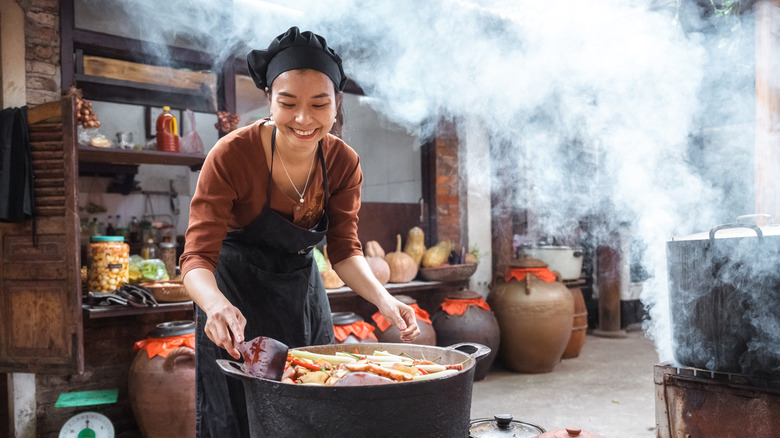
{"type": "Point", "coordinates": [543, 274]}
{"type": "Point", "coordinates": [455, 306]}
{"type": "Point", "coordinates": [360, 329]}
{"type": "Point", "coordinates": [163, 346]}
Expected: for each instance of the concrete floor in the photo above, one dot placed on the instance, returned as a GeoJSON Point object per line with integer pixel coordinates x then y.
{"type": "Point", "coordinates": [608, 389]}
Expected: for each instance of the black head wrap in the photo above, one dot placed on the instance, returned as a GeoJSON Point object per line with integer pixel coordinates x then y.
{"type": "Point", "coordinates": [294, 50]}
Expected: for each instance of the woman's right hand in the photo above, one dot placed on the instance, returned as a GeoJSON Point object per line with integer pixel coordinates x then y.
{"type": "Point", "coordinates": [224, 322]}
{"type": "Point", "coordinates": [225, 326]}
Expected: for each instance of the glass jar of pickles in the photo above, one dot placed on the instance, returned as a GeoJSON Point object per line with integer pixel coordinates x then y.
{"type": "Point", "coordinates": [108, 261]}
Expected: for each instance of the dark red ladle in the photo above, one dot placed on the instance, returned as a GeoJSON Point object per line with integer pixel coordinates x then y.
{"type": "Point", "coordinates": [263, 357]}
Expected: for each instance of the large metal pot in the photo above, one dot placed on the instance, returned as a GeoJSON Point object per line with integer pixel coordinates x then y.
{"type": "Point", "coordinates": [565, 260]}
{"type": "Point", "coordinates": [430, 408]}
{"type": "Point", "coordinates": [724, 296]}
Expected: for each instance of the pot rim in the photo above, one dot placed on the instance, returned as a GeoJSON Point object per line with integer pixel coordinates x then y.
{"type": "Point", "coordinates": [233, 368]}
{"type": "Point", "coordinates": [740, 228]}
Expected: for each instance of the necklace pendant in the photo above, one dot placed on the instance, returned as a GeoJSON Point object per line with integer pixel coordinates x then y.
{"type": "Point", "coordinates": [301, 200]}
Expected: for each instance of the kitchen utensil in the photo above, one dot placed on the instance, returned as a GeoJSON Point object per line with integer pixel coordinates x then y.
{"type": "Point", "coordinates": [263, 357]}
{"type": "Point", "coordinates": [503, 425]}
{"type": "Point", "coordinates": [564, 259]}
{"type": "Point", "coordinates": [429, 408]}
{"type": "Point", "coordinates": [124, 140]}
{"type": "Point", "coordinates": [723, 295]}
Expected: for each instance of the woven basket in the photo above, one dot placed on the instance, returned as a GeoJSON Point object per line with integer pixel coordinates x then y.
{"type": "Point", "coordinates": [168, 291]}
{"type": "Point", "coordinates": [449, 273]}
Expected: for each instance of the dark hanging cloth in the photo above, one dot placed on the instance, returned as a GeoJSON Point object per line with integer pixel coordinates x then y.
{"type": "Point", "coordinates": [17, 203]}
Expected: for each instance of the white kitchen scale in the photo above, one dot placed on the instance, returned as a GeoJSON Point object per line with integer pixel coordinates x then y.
{"type": "Point", "coordinates": [89, 423]}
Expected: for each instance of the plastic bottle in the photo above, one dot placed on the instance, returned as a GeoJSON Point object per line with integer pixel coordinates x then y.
{"type": "Point", "coordinates": [110, 231]}
{"type": "Point", "coordinates": [93, 227]}
{"type": "Point", "coordinates": [167, 138]}
{"type": "Point", "coordinates": [135, 230]}
{"type": "Point", "coordinates": [150, 250]}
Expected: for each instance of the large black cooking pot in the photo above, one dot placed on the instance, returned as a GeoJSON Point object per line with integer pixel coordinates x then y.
{"type": "Point", "coordinates": [429, 408]}
{"type": "Point", "coordinates": [724, 296]}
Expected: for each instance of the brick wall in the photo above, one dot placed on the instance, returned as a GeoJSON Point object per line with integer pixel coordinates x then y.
{"type": "Point", "coordinates": [447, 183]}
{"type": "Point", "coordinates": [42, 41]}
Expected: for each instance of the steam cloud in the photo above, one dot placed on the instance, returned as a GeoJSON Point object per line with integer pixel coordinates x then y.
{"type": "Point", "coordinates": [631, 114]}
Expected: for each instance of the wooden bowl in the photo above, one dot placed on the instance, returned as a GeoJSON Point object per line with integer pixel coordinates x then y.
{"type": "Point", "coordinates": [449, 272]}
{"type": "Point", "coordinates": [167, 291]}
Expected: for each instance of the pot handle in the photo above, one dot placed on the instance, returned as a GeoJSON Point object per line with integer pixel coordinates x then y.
{"type": "Point", "coordinates": [181, 356]}
{"type": "Point", "coordinates": [717, 228]}
{"type": "Point", "coordinates": [233, 369]}
{"type": "Point", "coordinates": [476, 351]}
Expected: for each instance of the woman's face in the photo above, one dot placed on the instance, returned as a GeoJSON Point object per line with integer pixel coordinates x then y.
{"type": "Point", "coordinates": [303, 106]}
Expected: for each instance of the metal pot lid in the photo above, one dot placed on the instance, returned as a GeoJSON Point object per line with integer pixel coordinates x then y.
{"type": "Point", "coordinates": [345, 318]}
{"type": "Point", "coordinates": [502, 425]}
{"type": "Point", "coordinates": [172, 328]}
{"type": "Point", "coordinates": [569, 432]}
{"type": "Point", "coordinates": [744, 226]}
{"type": "Point", "coordinates": [406, 299]}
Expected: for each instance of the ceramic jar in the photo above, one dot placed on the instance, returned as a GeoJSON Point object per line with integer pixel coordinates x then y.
{"type": "Point", "coordinates": [391, 334]}
{"type": "Point", "coordinates": [579, 325]}
{"type": "Point", "coordinates": [162, 387]}
{"type": "Point", "coordinates": [535, 313]}
{"type": "Point", "coordinates": [464, 316]}
{"type": "Point", "coordinates": [350, 328]}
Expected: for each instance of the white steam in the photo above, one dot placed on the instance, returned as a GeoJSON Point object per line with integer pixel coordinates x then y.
{"type": "Point", "coordinates": [613, 110]}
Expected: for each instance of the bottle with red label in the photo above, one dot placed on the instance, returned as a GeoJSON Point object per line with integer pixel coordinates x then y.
{"type": "Point", "coordinates": [167, 129]}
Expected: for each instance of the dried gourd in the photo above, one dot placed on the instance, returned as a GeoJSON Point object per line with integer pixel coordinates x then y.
{"type": "Point", "coordinates": [415, 244]}
{"type": "Point", "coordinates": [330, 277]}
{"type": "Point", "coordinates": [379, 268]}
{"type": "Point", "coordinates": [374, 249]}
{"type": "Point", "coordinates": [437, 255]}
{"type": "Point", "coordinates": [403, 269]}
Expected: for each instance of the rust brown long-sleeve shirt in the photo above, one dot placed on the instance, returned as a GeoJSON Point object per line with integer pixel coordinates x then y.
{"type": "Point", "coordinates": [232, 191]}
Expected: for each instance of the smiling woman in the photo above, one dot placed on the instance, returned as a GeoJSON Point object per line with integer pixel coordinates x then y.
{"type": "Point", "coordinates": [247, 260]}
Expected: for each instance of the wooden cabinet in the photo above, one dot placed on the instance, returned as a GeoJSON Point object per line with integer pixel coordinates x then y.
{"type": "Point", "coordinates": [40, 284]}
{"type": "Point", "coordinates": [41, 315]}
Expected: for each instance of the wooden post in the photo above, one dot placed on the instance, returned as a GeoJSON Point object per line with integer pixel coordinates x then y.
{"type": "Point", "coordinates": [767, 149]}
{"type": "Point", "coordinates": [609, 278]}
{"type": "Point", "coordinates": [503, 204]}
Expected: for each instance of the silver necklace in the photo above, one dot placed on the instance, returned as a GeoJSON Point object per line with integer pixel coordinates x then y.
{"type": "Point", "coordinates": [311, 166]}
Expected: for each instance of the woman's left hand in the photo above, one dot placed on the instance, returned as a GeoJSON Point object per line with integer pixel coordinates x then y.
{"type": "Point", "coordinates": [355, 272]}
{"type": "Point", "coordinates": [402, 317]}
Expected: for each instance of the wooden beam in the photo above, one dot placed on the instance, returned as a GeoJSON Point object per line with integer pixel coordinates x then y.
{"type": "Point", "coordinates": [767, 148]}
{"type": "Point", "coordinates": [112, 46]}
{"type": "Point", "coordinates": [147, 74]}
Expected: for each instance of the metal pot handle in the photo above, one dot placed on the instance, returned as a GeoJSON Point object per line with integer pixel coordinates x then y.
{"type": "Point", "coordinates": [476, 351]}
{"type": "Point", "coordinates": [717, 228]}
{"type": "Point", "coordinates": [232, 368]}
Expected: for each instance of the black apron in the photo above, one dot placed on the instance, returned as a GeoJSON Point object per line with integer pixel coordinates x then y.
{"type": "Point", "coordinates": [268, 272]}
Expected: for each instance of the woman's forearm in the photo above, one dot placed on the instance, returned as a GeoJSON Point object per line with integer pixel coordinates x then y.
{"type": "Point", "coordinates": [202, 288]}
{"type": "Point", "coordinates": [356, 273]}
{"type": "Point", "coordinates": [224, 322]}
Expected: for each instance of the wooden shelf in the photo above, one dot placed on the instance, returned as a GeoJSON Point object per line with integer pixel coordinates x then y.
{"type": "Point", "coordinates": [137, 93]}
{"type": "Point", "coordinates": [94, 312]}
{"type": "Point", "coordinates": [397, 288]}
{"type": "Point", "coordinates": [89, 154]}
